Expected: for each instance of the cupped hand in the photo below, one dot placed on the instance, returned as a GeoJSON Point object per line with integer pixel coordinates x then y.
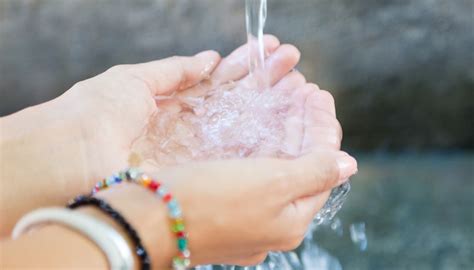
{"type": "Point", "coordinates": [235, 210]}
{"type": "Point", "coordinates": [114, 108]}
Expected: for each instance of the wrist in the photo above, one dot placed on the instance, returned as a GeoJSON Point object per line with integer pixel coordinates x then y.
{"type": "Point", "coordinates": [149, 218]}
{"type": "Point", "coordinates": [43, 139]}
{"type": "Point", "coordinates": [99, 215]}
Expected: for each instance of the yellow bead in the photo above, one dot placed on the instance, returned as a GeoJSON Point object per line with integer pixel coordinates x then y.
{"type": "Point", "coordinates": [145, 180]}
{"type": "Point", "coordinates": [178, 221]}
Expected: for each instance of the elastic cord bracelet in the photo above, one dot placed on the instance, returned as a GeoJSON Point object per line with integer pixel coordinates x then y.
{"type": "Point", "coordinates": [182, 260]}
{"type": "Point", "coordinates": [116, 249]}
{"type": "Point", "coordinates": [103, 206]}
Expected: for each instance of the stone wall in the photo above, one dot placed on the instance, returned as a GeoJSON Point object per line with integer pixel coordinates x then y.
{"type": "Point", "coordinates": [402, 71]}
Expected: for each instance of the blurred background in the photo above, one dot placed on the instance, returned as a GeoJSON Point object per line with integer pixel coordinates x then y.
{"type": "Point", "coordinates": [401, 71]}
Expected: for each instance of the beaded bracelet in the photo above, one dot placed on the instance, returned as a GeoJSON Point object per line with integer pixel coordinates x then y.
{"type": "Point", "coordinates": [103, 206]}
{"type": "Point", "coordinates": [182, 260]}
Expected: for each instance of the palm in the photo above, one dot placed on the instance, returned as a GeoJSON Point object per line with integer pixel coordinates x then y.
{"type": "Point", "coordinates": [196, 125]}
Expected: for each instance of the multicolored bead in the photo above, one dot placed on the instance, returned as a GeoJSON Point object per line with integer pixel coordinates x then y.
{"type": "Point", "coordinates": [181, 261]}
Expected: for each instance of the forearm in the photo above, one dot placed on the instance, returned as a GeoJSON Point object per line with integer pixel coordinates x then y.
{"type": "Point", "coordinates": [146, 214]}
{"type": "Point", "coordinates": [35, 149]}
{"type": "Point", "coordinates": [49, 247]}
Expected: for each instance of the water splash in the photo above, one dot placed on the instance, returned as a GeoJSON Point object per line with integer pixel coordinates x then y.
{"type": "Point", "coordinates": [315, 257]}
{"type": "Point", "coordinates": [336, 226]}
{"type": "Point", "coordinates": [358, 235]}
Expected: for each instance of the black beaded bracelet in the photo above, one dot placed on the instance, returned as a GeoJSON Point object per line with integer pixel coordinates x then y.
{"type": "Point", "coordinates": [107, 209]}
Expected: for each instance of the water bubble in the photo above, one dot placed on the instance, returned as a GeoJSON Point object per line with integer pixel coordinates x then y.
{"type": "Point", "coordinates": [358, 235]}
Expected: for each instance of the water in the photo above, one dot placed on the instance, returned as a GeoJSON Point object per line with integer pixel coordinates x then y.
{"type": "Point", "coordinates": [316, 258]}
{"type": "Point", "coordinates": [255, 17]}
{"type": "Point", "coordinates": [358, 235]}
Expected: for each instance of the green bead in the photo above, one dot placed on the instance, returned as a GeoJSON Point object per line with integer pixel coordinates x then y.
{"type": "Point", "coordinates": [178, 227]}
{"type": "Point", "coordinates": [182, 244]}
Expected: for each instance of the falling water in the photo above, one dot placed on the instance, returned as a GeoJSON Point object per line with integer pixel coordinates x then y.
{"type": "Point", "coordinates": [255, 16]}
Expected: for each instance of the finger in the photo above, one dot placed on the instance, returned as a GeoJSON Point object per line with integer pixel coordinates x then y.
{"type": "Point", "coordinates": [318, 138]}
{"type": "Point", "coordinates": [293, 125]}
{"type": "Point", "coordinates": [235, 66]}
{"type": "Point", "coordinates": [291, 81]}
{"type": "Point", "coordinates": [278, 64]}
{"type": "Point", "coordinates": [322, 130]}
{"type": "Point", "coordinates": [318, 172]}
{"type": "Point", "coordinates": [322, 100]}
{"type": "Point", "coordinates": [174, 73]}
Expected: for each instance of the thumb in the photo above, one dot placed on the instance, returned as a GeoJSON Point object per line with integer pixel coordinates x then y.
{"type": "Point", "coordinates": [320, 171]}
{"type": "Point", "coordinates": [175, 73]}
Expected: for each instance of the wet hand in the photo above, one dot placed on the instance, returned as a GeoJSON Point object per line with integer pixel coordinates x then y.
{"type": "Point", "coordinates": [235, 211]}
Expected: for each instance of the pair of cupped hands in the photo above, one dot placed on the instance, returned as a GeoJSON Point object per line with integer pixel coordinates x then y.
{"type": "Point", "coordinates": [236, 211]}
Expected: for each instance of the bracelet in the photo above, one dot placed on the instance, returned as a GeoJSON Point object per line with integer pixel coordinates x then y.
{"type": "Point", "coordinates": [182, 260]}
{"type": "Point", "coordinates": [104, 236]}
{"type": "Point", "coordinates": [108, 210]}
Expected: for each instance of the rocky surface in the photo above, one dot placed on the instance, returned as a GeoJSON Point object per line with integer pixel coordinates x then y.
{"type": "Point", "coordinates": [402, 71]}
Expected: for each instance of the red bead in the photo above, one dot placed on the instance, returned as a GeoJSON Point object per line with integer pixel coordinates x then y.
{"type": "Point", "coordinates": [154, 186]}
{"type": "Point", "coordinates": [181, 234]}
{"type": "Point", "coordinates": [167, 198]}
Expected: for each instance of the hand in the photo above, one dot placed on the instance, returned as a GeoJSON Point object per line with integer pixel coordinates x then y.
{"type": "Point", "coordinates": [235, 210]}
{"type": "Point", "coordinates": [68, 143]}
{"type": "Point", "coordinates": [116, 107]}
{"type": "Point", "coordinates": [60, 148]}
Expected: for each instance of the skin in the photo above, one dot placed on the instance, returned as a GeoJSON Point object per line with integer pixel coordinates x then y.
{"type": "Point", "coordinates": [86, 134]}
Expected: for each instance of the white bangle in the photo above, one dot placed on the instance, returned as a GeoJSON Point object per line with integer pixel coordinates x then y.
{"type": "Point", "coordinates": [104, 236]}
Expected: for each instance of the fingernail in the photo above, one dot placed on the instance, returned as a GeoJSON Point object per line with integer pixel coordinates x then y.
{"type": "Point", "coordinates": [347, 166]}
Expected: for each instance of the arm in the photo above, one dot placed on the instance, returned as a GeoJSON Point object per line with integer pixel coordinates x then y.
{"type": "Point", "coordinates": [53, 151]}
{"type": "Point", "coordinates": [219, 199]}
{"type": "Point", "coordinates": [37, 161]}
{"type": "Point", "coordinates": [83, 253]}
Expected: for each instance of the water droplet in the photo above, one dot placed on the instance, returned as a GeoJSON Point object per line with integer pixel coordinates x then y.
{"type": "Point", "coordinates": [336, 226]}
{"type": "Point", "coordinates": [358, 235]}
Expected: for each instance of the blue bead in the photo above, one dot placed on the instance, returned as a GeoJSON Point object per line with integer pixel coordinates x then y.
{"type": "Point", "coordinates": [172, 204]}
{"type": "Point", "coordinates": [117, 178]}
{"type": "Point", "coordinates": [161, 192]}
{"type": "Point", "coordinates": [175, 213]}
